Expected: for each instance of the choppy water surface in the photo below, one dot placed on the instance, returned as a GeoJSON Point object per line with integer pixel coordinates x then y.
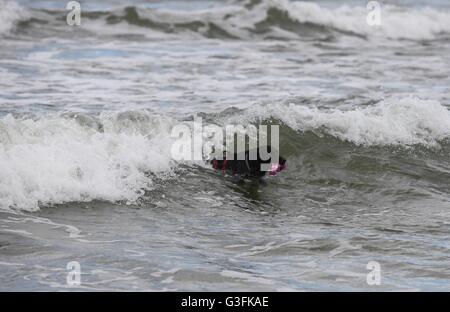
{"type": "Point", "coordinates": [86, 172]}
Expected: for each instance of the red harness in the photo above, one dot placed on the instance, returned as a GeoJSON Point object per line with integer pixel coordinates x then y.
{"type": "Point", "coordinates": [216, 165]}
{"type": "Point", "coordinates": [224, 166]}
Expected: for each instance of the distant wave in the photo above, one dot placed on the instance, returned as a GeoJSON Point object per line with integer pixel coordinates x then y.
{"type": "Point", "coordinates": [259, 19]}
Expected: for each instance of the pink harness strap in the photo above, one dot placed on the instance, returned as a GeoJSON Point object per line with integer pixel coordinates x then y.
{"type": "Point", "coordinates": [224, 166]}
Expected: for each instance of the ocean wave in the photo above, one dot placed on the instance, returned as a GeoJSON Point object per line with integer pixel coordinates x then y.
{"type": "Point", "coordinates": [117, 157]}
{"type": "Point", "coordinates": [280, 19]}
{"type": "Point", "coordinates": [394, 121]}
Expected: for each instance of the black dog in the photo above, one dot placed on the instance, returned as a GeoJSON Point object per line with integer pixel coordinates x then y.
{"type": "Point", "coordinates": [242, 166]}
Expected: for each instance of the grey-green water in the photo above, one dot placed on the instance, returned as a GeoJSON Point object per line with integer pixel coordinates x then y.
{"type": "Point", "coordinates": [86, 172]}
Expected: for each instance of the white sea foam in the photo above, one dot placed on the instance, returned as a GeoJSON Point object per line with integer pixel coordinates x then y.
{"type": "Point", "coordinates": [57, 160]}
{"type": "Point", "coordinates": [10, 13]}
{"type": "Point", "coordinates": [394, 121]}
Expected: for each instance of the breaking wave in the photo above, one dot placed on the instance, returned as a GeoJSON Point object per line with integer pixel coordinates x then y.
{"type": "Point", "coordinates": [265, 19]}
{"type": "Point", "coordinates": [395, 121]}
{"type": "Point", "coordinates": [117, 157]}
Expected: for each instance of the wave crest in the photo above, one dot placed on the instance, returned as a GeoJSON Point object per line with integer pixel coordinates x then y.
{"type": "Point", "coordinates": [394, 121]}
{"type": "Point", "coordinates": [79, 158]}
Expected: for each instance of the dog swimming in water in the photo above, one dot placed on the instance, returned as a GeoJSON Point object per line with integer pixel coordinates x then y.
{"type": "Point", "coordinates": [249, 164]}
